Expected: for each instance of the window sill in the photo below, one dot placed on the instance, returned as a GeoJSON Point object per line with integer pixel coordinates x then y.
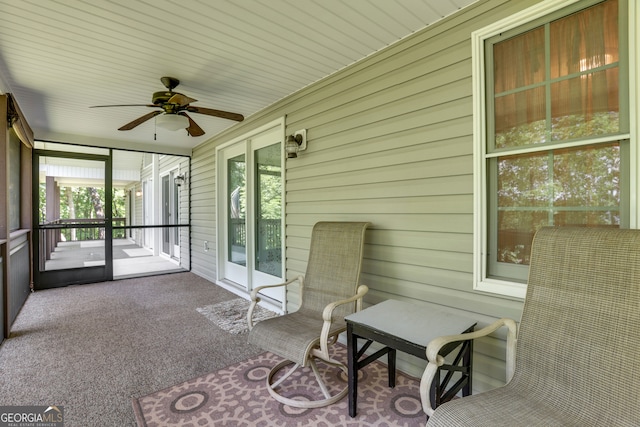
{"type": "Point", "coordinates": [502, 288]}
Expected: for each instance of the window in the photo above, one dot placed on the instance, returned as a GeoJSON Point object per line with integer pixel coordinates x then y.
{"type": "Point", "coordinates": [552, 133]}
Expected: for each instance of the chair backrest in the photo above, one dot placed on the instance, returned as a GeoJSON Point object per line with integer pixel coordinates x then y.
{"type": "Point", "coordinates": [335, 262]}
{"type": "Point", "coordinates": [580, 330]}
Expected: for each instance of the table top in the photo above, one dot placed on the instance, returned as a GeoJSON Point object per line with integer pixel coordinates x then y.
{"type": "Point", "coordinates": [411, 322]}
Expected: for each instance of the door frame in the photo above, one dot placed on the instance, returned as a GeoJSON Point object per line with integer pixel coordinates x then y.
{"type": "Point", "coordinates": [73, 276]}
{"type": "Point", "coordinates": [277, 296]}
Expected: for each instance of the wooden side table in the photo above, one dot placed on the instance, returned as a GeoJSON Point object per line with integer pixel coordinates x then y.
{"type": "Point", "coordinates": [409, 328]}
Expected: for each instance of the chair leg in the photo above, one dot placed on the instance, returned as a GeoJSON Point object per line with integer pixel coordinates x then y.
{"type": "Point", "coordinates": [306, 404]}
{"type": "Point", "coordinates": [285, 376]}
{"type": "Point", "coordinates": [321, 383]}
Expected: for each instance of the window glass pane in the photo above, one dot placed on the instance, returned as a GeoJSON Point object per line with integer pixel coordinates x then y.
{"type": "Point", "coordinates": [579, 186]}
{"type": "Point", "coordinates": [515, 234]}
{"type": "Point", "coordinates": [523, 181]}
{"type": "Point", "coordinates": [269, 210]}
{"type": "Point", "coordinates": [520, 100]}
{"type": "Point", "coordinates": [585, 40]}
{"type": "Point", "coordinates": [585, 106]}
{"type": "Point", "coordinates": [588, 177]}
{"type": "Point", "coordinates": [520, 118]}
{"type": "Point", "coordinates": [237, 196]}
{"type": "Point", "coordinates": [593, 218]}
{"type": "Point", "coordinates": [519, 61]}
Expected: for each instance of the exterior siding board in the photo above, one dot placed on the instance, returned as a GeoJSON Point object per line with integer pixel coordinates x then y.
{"type": "Point", "coordinates": [390, 142]}
{"type": "Point", "coordinates": [382, 166]}
{"type": "Point", "coordinates": [203, 219]}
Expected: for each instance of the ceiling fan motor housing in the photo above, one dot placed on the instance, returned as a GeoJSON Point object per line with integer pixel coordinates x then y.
{"type": "Point", "coordinates": [161, 97]}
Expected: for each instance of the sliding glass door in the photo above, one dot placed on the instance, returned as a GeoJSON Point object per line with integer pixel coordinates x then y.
{"type": "Point", "coordinates": [250, 251]}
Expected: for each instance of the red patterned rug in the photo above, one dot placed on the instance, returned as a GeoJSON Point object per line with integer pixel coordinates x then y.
{"type": "Point", "coordinates": [237, 396]}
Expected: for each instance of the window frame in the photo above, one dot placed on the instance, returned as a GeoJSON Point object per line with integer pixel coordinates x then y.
{"type": "Point", "coordinates": [628, 66]}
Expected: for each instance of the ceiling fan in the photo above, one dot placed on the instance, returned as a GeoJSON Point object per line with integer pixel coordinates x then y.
{"type": "Point", "coordinates": [172, 105]}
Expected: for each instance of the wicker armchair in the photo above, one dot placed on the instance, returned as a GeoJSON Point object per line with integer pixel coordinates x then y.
{"type": "Point", "coordinates": [330, 291]}
{"type": "Point", "coordinates": [577, 358]}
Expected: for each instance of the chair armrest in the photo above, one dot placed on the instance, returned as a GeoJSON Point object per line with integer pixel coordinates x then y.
{"type": "Point", "coordinates": [327, 313]}
{"type": "Point", "coordinates": [255, 299]}
{"type": "Point", "coordinates": [254, 292]}
{"type": "Point", "coordinates": [327, 316]}
{"type": "Point", "coordinates": [435, 360]}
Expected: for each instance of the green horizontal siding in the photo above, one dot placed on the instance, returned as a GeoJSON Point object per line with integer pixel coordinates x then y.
{"type": "Point", "coordinates": [390, 142]}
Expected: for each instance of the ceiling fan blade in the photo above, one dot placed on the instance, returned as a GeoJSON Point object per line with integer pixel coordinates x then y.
{"type": "Point", "coordinates": [181, 100]}
{"type": "Point", "coordinates": [193, 129]}
{"type": "Point", "coordinates": [217, 113]}
{"type": "Point", "coordinates": [124, 105]}
{"type": "Point", "coordinates": [140, 120]}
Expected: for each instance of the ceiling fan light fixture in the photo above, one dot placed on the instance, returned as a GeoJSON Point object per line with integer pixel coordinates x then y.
{"type": "Point", "coordinates": [172, 121]}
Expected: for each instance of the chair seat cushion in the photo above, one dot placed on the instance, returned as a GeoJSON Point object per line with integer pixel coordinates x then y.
{"type": "Point", "coordinates": [292, 335]}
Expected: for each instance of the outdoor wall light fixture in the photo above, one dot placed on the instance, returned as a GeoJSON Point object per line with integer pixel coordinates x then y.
{"type": "Point", "coordinates": [179, 180]}
{"type": "Point", "coordinates": [295, 143]}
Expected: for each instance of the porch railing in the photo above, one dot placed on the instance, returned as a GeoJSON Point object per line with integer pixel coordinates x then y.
{"type": "Point", "coordinates": [74, 230]}
{"type": "Point", "coordinates": [269, 233]}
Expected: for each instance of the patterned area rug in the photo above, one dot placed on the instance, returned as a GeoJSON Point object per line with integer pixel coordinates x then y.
{"type": "Point", "coordinates": [232, 315]}
{"type": "Point", "coordinates": [238, 396]}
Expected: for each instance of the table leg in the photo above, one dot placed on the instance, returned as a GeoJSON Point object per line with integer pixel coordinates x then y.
{"type": "Point", "coordinates": [352, 364]}
{"type": "Point", "coordinates": [468, 363]}
{"type": "Point", "coordinates": [391, 364]}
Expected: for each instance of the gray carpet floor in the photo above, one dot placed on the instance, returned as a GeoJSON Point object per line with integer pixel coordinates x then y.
{"type": "Point", "coordinates": [91, 348]}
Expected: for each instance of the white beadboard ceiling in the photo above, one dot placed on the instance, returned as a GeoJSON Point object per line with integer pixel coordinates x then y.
{"type": "Point", "coordinates": [59, 57]}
